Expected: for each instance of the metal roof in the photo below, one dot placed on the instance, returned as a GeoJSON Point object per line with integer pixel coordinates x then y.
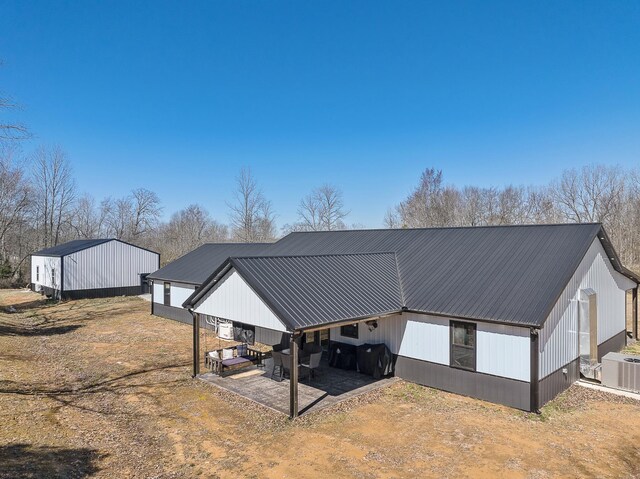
{"type": "Point", "coordinates": [306, 291]}
{"type": "Point", "coordinates": [74, 246]}
{"type": "Point", "coordinates": [505, 274]}
{"type": "Point", "coordinates": [196, 266]}
{"type": "Point", "coordinates": [70, 247]}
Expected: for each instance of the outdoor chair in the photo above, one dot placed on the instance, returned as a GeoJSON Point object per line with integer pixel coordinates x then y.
{"type": "Point", "coordinates": [286, 365]}
{"type": "Point", "coordinates": [277, 363]}
{"type": "Point", "coordinates": [312, 364]}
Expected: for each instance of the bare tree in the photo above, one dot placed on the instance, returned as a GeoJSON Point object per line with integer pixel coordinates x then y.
{"type": "Point", "coordinates": [189, 228]}
{"type": "Point", "coordinates": [10, 130]}
{"type": "Point", "coordinates": [55, 192]}
{"type": "Point", "coordinates": [592, 194]}
{"type": "Point", "coordinates": [14, 204]}
{"type": "Point", "coordinates": [132, 217]}
{"type": "Point", "coordinates": [87, 220]}
{"type": "Point", "coordinates": [146, 212]}
{"type": "Point", "coordinates": [392, 219]}
{"type": "Point", "coordinates": [322, 210]}
{"type": "Point", "coordinates": [252, 218]}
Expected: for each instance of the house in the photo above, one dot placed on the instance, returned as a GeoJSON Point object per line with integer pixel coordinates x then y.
{"type": "Point", "coordinates": [92, 268]}
{"type": "Point", "coordinates": [172, 284]}
{"type": "Point", "coordinates": [508, 314]}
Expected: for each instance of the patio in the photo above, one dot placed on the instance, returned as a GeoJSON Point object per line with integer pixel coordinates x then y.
{"type": "Point", "coordinates": [329, 387]}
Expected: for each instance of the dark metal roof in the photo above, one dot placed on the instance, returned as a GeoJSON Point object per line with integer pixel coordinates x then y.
{"type": "Point", "coordinates": [196, 266]}
{"type": "Point", "coordinates": [74, 246]}
{"type": "Point", "coordinates": [505, 274]}
{"type": "Point", "coordinates": [70, 247]}
{"type": "Point", "coordinates": [306, 291]}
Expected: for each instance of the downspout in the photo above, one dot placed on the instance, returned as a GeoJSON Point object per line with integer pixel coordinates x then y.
{"type": "Point", "coordinates": [196, 343]}
{"type": "Point", "coordinates": [534, 384]}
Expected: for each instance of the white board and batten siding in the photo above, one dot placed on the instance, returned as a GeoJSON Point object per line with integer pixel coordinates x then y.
{"type": "Point", "coordinates": [234, 300]}
{"type": "Point", "coordinates": [558, 338]}
{"type": "Point", "coordinates": [108, 265]}
{"type": "Point", "coordinates": [45, 271]}
{"type": "Point", "coordinates": [500, 350]}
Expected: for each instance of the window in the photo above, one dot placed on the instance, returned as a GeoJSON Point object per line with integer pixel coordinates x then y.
{"type": "Point", "coordinates": [463, 345]}
{"type": "Point", "coordinates": [349, 331]}
{"type": "Point", "coordinates": [53, 276]}
{"type": "Point", "coordinates": [38, 273]}
{"type": "Point", "coordinates": [167, 294]}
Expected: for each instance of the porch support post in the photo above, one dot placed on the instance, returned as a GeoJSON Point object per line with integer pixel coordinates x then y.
{"type": "Point", "coordinates": [196, 344]}
{"type": "Point", "coordinates": [634, 311]}
{"type": "Point", "coordinates": [293, 381]}
{"type": "Point", "coordinates": [534, 399]}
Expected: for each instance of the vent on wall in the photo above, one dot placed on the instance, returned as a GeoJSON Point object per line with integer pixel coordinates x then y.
{"type": "Point", "coordinates": [621, 371]}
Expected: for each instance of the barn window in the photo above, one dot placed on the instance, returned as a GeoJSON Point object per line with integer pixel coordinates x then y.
{"type": "Point", "coordinates": [53, 276]}
{"type": "Point", "coordinates": [349, 331]}
{"type": "Point", "coordinates": [167, 294]}
{"type": "Point", "coordinates": [463, 345]}
{"type": "Point", "coordinates": [37, 273]}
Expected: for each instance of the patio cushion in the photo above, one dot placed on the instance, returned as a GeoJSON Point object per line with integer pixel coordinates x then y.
{"type": "Point", "coordinates": [234, 361]}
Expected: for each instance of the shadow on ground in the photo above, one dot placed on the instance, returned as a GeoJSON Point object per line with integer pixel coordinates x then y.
{"type": "Point", "coordinates": [21, 461]}
{"type": "Point", "coordinates": [13, 330]}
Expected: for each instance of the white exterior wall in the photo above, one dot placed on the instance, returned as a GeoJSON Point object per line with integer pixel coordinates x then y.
{"type": "Point", "coordinates": [108, 265]}
{"type": "Point", "coordinates": [179, 292]}
{"type": "Point", "coordinates": [158, 291]}
{"type": "Point", "coordinates": [558, 338]}
{"type": "Point", "coordinates": [500, 350]}
{"type": "Point", "coordinates": [233, 299]}
{"type": "Point", "coordinates": [47, 264]}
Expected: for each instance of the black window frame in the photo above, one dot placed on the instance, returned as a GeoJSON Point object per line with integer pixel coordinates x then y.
{"type": "Point", "coordinates": [38, 274]}
{"type": "Point", "coordinates": [167, 293]}
{"type": "Point", "coordinates": [354, 332]}
{"type": "Point", "coordinates": [452, 346]}
{"type": "Point", "coordinates": [53, 276]}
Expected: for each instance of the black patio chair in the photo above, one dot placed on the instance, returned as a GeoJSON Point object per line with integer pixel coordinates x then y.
{"type": "Point", "coordinates": [277, 363]}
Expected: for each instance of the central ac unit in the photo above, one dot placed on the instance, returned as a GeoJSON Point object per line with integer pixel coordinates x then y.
{"type": "Point", "coordinates": [225, 330]}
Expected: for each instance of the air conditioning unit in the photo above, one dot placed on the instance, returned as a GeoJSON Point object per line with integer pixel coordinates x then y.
{"type": "Point", "coordinates": [621, 371]}
{"type": "Point", "coordinates": [225, 330]}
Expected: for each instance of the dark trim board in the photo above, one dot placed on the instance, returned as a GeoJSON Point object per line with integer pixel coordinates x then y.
{"type": "Point", "coordinates": [102, 292]}
{"type": "Point", "coordinates": [495, 389]}
{"type": "Point", "coordinates": [171, 312]}
{"type": "Point", "coordinates": [612, 345]}
{"type": "Point", "coordinates": [556, 382]}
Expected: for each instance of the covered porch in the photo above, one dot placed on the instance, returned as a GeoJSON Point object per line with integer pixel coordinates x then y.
{"type": "Point", "coordinates": [330, 386]}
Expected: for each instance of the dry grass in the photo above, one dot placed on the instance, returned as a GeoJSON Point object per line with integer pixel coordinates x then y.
{"type": "Point", "coordinates": [99, 388]}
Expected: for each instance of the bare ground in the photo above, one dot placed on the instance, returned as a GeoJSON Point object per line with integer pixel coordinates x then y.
{"type": "Point", "coordinates": [99, 388]}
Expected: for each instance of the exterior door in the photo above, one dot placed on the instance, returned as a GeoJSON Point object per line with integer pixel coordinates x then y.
{"type": "Point", "coordinates": [588, 332]}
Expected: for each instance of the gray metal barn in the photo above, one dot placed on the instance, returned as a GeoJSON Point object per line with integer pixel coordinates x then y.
{"type": "Point", "coordinates": [92, 268]}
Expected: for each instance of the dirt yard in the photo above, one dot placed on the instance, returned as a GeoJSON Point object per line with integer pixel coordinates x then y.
{"type": "Point", "coordinates": [99, 388]}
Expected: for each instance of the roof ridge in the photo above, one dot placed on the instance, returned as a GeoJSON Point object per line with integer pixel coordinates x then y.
{"type": "Point", "coordinates": [524, 225]}
{"type": "Point", "coordinates": [324, 255]}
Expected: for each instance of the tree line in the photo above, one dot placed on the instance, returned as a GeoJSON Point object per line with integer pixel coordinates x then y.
{"type": "Point", "coordinates": [41, 206]}
{"type": "Point", "coordinates": [593, 193]}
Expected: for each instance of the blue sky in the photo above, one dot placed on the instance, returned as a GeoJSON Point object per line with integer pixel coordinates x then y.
{"type": "Point", "coordinates": [177, 96]}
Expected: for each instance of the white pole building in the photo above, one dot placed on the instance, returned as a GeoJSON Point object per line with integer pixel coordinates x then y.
{"type": "Point", "coordinates": [92, 268]}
